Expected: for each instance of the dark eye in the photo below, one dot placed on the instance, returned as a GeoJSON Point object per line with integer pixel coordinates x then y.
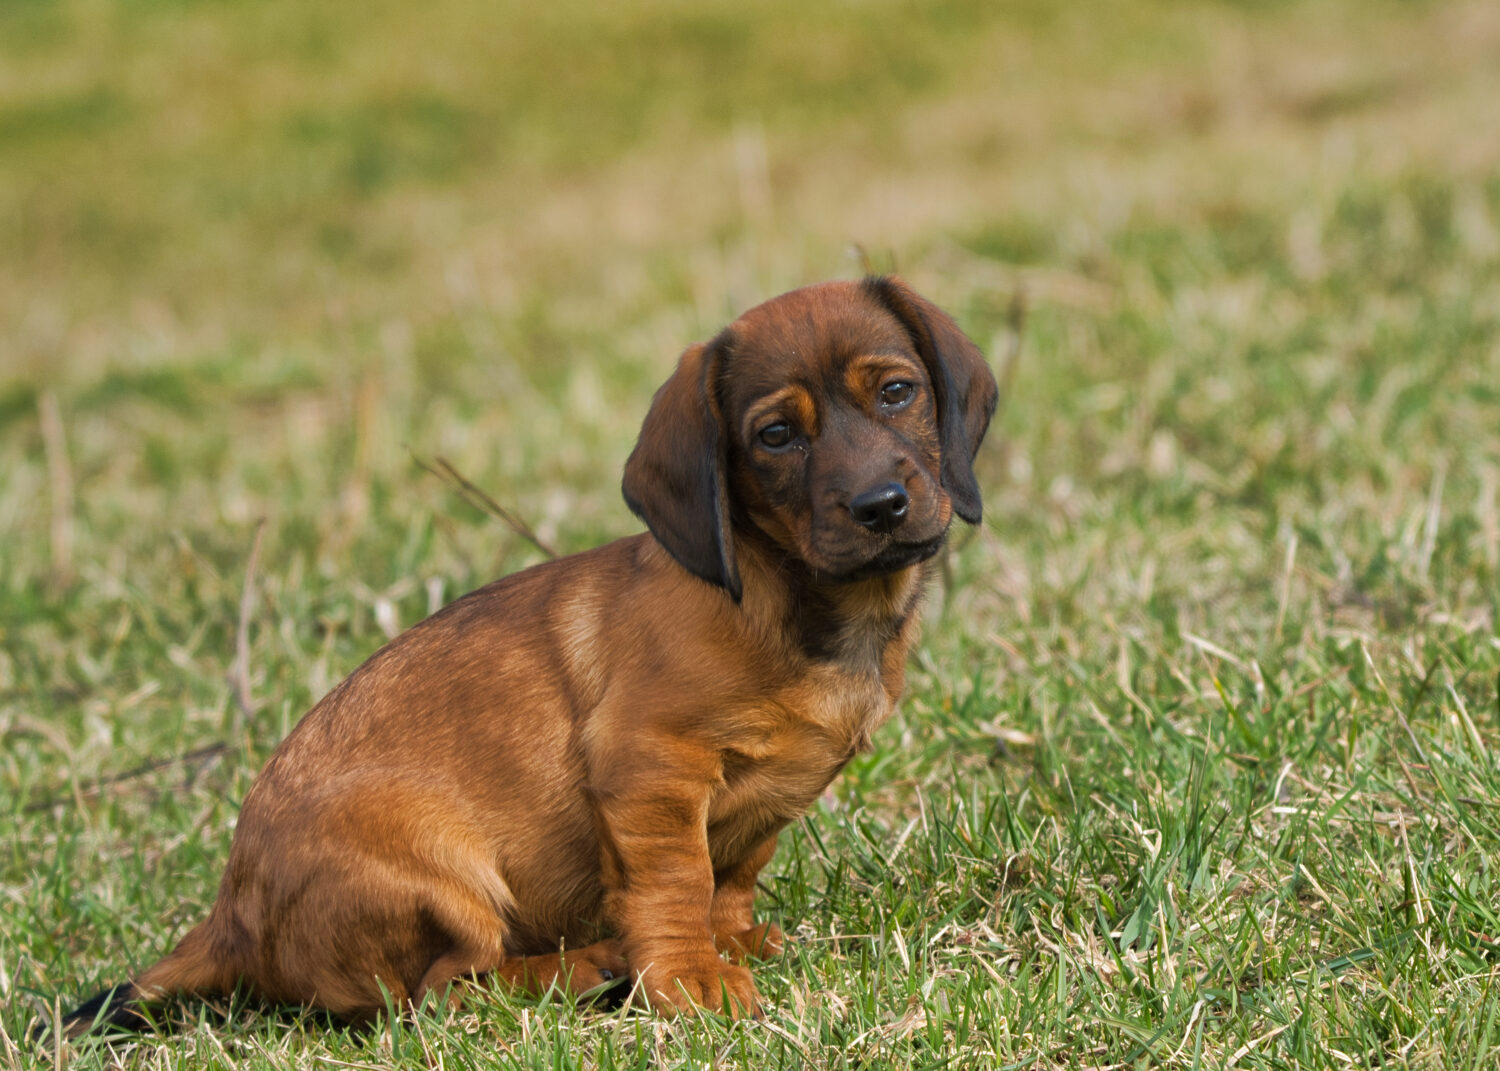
{"type": "Point", "coordinates": [897, 394]}
{"type": "Point", "coordinates": [776, 435]}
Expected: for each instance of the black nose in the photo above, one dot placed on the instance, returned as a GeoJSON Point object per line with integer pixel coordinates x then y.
{"type": "Point", "coordinates": [881, 510]}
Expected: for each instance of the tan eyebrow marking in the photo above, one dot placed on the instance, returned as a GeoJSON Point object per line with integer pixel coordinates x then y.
{"type": "Point", "coordinates": [863, 375]}
{"type": "Point", "coordinates": [794, 403]}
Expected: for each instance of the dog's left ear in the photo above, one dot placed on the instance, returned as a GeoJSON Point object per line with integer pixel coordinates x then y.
{"type": "Point", "coordinates": [676, 479]}
{"type": "Point", "coordinates": [965, 387]}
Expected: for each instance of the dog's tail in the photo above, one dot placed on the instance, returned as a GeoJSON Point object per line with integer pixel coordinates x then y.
{"type": "Point", "coordinates": [201, 965]}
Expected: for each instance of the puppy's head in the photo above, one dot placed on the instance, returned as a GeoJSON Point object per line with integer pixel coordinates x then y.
{"type": "Point", "coordinates": [840, 420]}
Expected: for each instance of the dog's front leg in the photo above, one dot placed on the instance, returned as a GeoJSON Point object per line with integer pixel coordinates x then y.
{"type": "Point", "coordinates": [660, 882]}
{"type": "Point", "coordinates": [735, 931]}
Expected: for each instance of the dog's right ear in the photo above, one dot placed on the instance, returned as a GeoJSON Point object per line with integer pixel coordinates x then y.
{"type": "Point", "coordinates": [676, 479]}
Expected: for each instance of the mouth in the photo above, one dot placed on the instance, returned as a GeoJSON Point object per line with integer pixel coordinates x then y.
{"type": "Point", "coordinates": [896, 557]}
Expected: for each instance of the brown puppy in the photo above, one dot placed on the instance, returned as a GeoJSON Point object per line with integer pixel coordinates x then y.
{"type": "Point", "coordinates": [577, 771]}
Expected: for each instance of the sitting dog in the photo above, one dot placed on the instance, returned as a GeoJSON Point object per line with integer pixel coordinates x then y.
{"type": "Point", "coordinates": [575, 773]}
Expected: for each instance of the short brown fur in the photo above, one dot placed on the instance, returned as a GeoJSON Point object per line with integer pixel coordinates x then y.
{"type": "Point", "coordinates": [577, 772]}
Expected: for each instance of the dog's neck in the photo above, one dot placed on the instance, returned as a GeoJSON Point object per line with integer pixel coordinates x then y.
{"type": "Point", "coordinates": [852, 623]}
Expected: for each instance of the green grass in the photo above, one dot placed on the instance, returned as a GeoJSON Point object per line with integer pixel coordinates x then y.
{"type": "Point", "coordinates": [1197, 765]}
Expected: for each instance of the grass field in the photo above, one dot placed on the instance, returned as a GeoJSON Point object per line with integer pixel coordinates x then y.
{"type": "Point", "coordinates": [1197, 766]}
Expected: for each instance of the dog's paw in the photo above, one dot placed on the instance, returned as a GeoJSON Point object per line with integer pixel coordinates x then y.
{"type": "Point", "coordinates": [715, 985]}
{"type": "Point", "coordinates": [758, 942]}
{"type": "Point", "coordinates": [596, 967]}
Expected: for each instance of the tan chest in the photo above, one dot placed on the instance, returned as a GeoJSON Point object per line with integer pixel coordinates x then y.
{"type": "Point", "coordinates": [796, 743]}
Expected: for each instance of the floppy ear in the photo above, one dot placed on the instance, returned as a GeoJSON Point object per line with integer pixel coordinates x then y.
{"type": "Point", "coordinates": [965, 387]}
{"type": "Point", "coordinates": [676, 478]}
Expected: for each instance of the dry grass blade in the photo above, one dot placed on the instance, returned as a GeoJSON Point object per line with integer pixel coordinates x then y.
{"type": "Point", "coordinates": [480, 499]}
{"type": "Point", "coordinates": [60, 482]}
{"type": "Point", "coordinates": [239, 675]}
{"type": "Point", "coordinates": [96, 787]}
